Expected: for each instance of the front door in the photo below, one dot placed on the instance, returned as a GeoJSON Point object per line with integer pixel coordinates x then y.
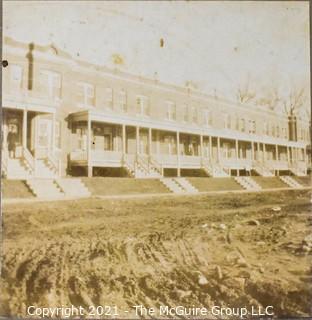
{"type": "Point", "coordinates": [43, 138]}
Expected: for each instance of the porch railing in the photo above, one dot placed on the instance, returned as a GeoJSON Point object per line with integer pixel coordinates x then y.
{"type": "Point", "coordinates": [30, 160]}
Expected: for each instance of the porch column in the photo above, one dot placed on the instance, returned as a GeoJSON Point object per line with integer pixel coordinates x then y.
{"type": "Point", "coordinates": [149, 141]}
{"type": "Point", "coordinates": [210, 148]}
{"type": "Point", "coordinates": [157, 142]}
{"type": "Point", "coordinates": [89, 148]}
{"type": "Point", "coordinates": [288, 155]}
{"type": "Point", "coordinates": [305, 154]}
{"type": "Point", "coordinates": [264, 153]}
{"type": "Point", "coordinates": [258, 151]}
{"type": "Point", "coordinates": [201, 147]}
{"type": "Point", "coordinates": [123, 140]}
{"type": "Point", "coordinates": [178, 155]}
{"type": "Point", "coordinates": [25, 129]}
{"type": "Point", "coordinates": [252, 151]}
{"type": "Point", "coordinates": [137, 137]}
{"type": "Point", "coordinates": [218, 149]}
{"type": "Point", "coordinates": [236, 149]}
{"type": "Point", "coordinates": [276, 152]}
{"type": "Point", "coordinates": [53, 133]}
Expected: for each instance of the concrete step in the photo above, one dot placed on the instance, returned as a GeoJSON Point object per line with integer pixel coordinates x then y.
{"type": "Point", "coordinates": [248, 183]}
{"type": "Point", "coordinates": [291, 182]}
{"type": "Point", "coordinates": [44, 188]}
{"type": "Point", "coordinates": [186, 185]}
{"type": "Point", "coordinates": [172, 185]}
{"type": "Point", "coordinates": [73, 187]}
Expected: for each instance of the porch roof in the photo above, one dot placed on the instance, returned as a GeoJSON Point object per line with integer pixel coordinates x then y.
{"type": "Point", "coordinates": [171, 126]}
{"type": "Point", "coordinates": [29, 103]}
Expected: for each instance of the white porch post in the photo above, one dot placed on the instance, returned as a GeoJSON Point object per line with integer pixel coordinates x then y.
{"type": "Point", "coordinates": [201, 147]}
{"type": "Point", "coordinates": [210, 148]}
{"type": "Point", "coordinates": [137, 137]}
{"type": "Point", "coordinates": [276, 152]}
{"type": "Point", "coordinates": [53, 133]}
{"type": "Point", "coordinates": [264, 153]}
{"type": "Point", "coordinates": [149, 141]}
{"type": "Point", "coordinates": [236, 149]}
{"type": "Point", "coordinates": [288, 155]}
{"type": "Point", "coordinates": [25, 129]}
{"type": "Point", "coordinates": [157, 142]}
{"type": "Point", "coordinates": [218, 149]}
{"type": "Point", "coordinates": [252, 151]}
{"type": "Point", "coordinates": [258, 151]}
{"type": "Point", "coordinates": [89, 147]}
{"type": "Point", "coordinates": [123, 140]}
{"type": "Point", "coordinates": [178, 154]}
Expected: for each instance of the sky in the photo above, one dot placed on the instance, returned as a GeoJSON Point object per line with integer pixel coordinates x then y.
{"type": "Point", "coordinates": [218, 47]}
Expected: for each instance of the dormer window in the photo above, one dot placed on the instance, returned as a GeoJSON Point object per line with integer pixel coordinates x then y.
{"type": "Point", "coordinates": [170, 111]}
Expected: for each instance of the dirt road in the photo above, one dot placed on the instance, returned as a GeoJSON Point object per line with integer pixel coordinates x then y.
{"type": "Point", "coordinates": [226, 250]}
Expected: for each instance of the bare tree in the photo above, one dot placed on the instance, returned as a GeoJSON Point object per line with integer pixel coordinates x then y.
{"type": "Point", "coordinates": [270, 99]}
{"type": "Point", "coordinates": [245, 93]}
{"type": "Point", "coordinates": [294, 101]}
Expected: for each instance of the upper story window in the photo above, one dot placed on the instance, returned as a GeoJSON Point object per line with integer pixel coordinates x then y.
{"type": "Point", "coordinates": [227, 121]}
{"type": "Point", "coordinates": [52, 82]}
{"type": "Point", "coordinates": [170, 110]}
{"type": "Point", "coordinates": [122, 100]}
{"type": "Point", "coordinates": [207, 117]}
{"type": "Point", "coordinates": [194, 113]}
{"type": "Point", "coordinates": [277, 131]}
{"type": "Point", "coordinates": [284, 132]}
{"type": "Point", "coordinates": [273, 131]}
{"type": "Point", "coordinates": [252, 126]}
{"type": "Point", "coordinates": [242, 126]}
{"type": "Point", "coordinates": [88, 93]}
{"type": "Point", "coordinates": [16, 76]}
{"type": "Point", "coordinates": [142, 105]}
{"type": "Point", "coordinates": [109, 99]}
{"type": "Point", "coordinates": [265, 128]}
{"type": "Point", "coordinates": [185, 113]}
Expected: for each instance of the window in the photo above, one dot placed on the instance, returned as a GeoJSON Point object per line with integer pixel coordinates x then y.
{"type": "Point", "coordinates": [252, 126]}
{"type": "Point", "coordinates": [284, 132]}
{"type": "Point", "coordinates": [109, 98]}
{"type": "Point", "coordinates": [16, 76]}
{"type": "Point", "coordinates": [58, 134]}
{"type": "Point", "coordinates": [87, 94]}
{"type": "Point", "coordinates": [277, 131]}
{"type": "Point", "coordinates": [52, 84]}
{"type": "Point", "coordinates": [242, 125]}
{"type": "Point", "coordinates": [265, 128]}
{"type": "Point", "coordinates": [142, 105]}
{"type": "Point", "coordinates": [170, 110]}
{"type": "Point", "coordinates": [208, 117]}
{"type": "Point", "coordinates": [185, 113]}
{"type": "Point", "coordinates": [273, 130]}
{"type": "Point", "coordinates": [123, 100]}
{"type": "Point", "coordinates": [194, 115]}
{"type": "Point", "coordinates": [227, 121]}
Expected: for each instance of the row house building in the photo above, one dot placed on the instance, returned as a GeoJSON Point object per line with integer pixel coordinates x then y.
{"type": "Point", "coordinates": [74, 118]}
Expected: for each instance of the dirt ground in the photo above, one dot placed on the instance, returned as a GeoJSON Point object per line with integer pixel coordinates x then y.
{"type": "Point", "coordinates": [229, 250]}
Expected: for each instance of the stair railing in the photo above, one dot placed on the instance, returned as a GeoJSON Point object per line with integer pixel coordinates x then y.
{"type": "Point", "coordinates": [159, 168]}
{"type": "Point", "coordinates": [56, 163]}
{"type": "Point", "coordinates": [30, 160]}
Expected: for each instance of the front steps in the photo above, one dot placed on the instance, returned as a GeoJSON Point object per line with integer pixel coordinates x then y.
{"type": "Point", "coordinates": [179, 185]}
{"type": "Point", "coordinates": [143, 168]}
{"type": "Point", "coordinates": [58, 188]}
{"type": "Point", "coordinates": [44, 169]}
{"type": "Point", "coordinates": [73, 187]}
{"type": "Point", "coordinates": [248, 183]}
{"type": "Point", "coordinates": [45, 188]}
{"type": "Point", "coordinates": [291, 182]}
{"type": "Point", "coordinates": [17, 169]}
{"type": "Point", "coordinates": [215, 171]}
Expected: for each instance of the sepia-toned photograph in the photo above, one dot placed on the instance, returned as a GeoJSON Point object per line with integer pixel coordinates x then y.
{"type": "Point", "coordinates": [156, 160]}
